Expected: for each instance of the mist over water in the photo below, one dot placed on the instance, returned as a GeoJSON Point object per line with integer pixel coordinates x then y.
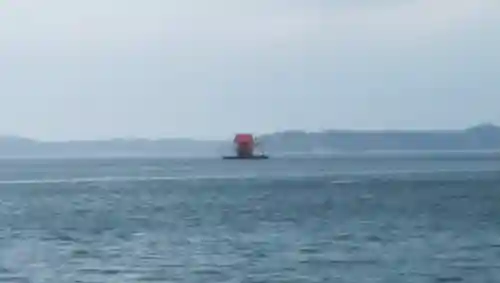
{"type": "Point", "coordinates": [351, 219]}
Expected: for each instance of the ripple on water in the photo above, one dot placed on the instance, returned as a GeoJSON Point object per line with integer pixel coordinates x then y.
{"type": "Point", "coordinates": [14, 279]}
{"type": "Point", "coordinates": [449, 279]}
{"type": "Point", "coordinates": [343, 237]}
{"type": "Point", "coordinates": [249, 230]}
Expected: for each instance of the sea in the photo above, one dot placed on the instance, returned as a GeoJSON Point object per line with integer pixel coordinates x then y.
{"type": "Point", "coordinates": [358, 219]}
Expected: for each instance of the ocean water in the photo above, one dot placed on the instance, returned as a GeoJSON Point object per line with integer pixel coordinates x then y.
{"type": "Point", "coordinates": [350, 219]}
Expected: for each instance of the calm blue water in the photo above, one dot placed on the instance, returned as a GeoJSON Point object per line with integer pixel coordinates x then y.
{"type": "Point", "coordinates": [282, 220]}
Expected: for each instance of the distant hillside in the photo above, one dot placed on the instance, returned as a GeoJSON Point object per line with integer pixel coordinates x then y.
{"type": "Point", "coordinates": [19, 147]}
{"type": "Point", "coordinates": [482, 137]}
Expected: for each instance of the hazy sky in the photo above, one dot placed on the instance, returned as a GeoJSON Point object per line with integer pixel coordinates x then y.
{"type": "Point", "coordinates": [164, 68]}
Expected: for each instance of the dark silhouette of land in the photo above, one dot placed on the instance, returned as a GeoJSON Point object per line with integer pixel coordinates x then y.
{"type": "Point", "coordinates": [482, 137]}
{"type": "Point", "coordinates": [485, 137]}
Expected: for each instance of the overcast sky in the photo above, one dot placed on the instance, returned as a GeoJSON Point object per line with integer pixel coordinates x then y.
{"type": "Point", "coordinates": [206, 69]}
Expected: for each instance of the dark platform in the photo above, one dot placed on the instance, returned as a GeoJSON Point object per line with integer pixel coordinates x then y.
{"type": "Point", "coordinates": [253, 157]}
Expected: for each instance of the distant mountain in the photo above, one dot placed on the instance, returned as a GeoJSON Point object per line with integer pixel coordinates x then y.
{"type": "Point", "coordinates": [21, 147]}
{"type": "Point", "coordinates": [481, 137]}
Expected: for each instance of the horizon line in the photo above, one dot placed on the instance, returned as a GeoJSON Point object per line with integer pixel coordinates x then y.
{"type": "Point", "coordinates": [290, 131]}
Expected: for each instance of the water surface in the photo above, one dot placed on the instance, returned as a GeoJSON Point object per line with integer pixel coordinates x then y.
{"type": "Point", "coordinates": [282, 220]}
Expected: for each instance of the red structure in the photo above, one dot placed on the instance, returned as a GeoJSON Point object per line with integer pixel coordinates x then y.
{"type": "Point", "coordinates": [245, 145]}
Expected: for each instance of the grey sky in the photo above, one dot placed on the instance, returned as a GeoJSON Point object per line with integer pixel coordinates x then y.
{"type": "Point", "coordinates": [160, 68]}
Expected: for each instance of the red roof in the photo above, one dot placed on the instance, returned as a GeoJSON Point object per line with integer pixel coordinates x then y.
{"type": "Point", "coordinates": [243, 138]}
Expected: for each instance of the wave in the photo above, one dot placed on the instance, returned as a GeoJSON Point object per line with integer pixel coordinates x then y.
{"type": "Point", "coordinates": [338, 178]}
